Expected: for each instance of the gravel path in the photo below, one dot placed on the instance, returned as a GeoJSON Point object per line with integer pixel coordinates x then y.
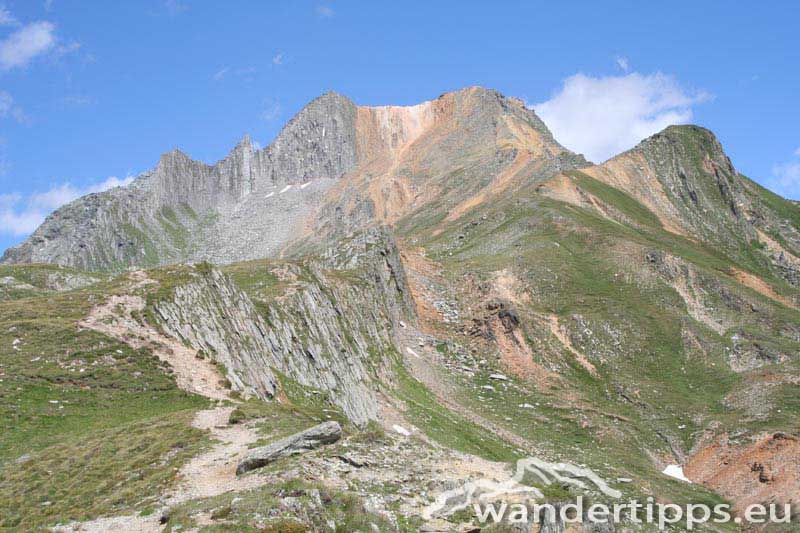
{"type": "Point", "coordinates": [209, 474]}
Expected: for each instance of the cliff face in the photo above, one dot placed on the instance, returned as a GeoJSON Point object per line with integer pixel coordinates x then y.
{"type": "Point", "coordinates": [328, 324]}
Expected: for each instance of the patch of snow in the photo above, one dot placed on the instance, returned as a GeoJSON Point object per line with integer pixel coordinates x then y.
{"type": "Point", "coordinates": [306, 184]}
{"type": "Point", "coordinates": [270, 194]}
{"type": "Point", "coordinates": [285, 189]}
{"type": "Point", "coordinates": [412, 352]}
{"type": "Point", "coordinates": [401, 430]}
{"type": "Point", "coordinates": [498, 377]}
{"type": "Point", "coordinates": [676, 471]}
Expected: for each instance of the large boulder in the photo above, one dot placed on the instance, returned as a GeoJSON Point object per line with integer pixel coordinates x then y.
{"type": "Point", "coordinates": [325, 433]}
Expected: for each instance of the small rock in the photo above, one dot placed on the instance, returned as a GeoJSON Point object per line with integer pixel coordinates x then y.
{"type": "Point", "coordinates": [354, 460]}
{"type": "Point", "coordinates": [401, 430]}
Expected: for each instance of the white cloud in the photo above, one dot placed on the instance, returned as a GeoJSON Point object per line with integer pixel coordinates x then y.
{"type": "Point", "coordinates": [271, 109]}
{"type": "Point", "coordinates": [623, 64]}
{"type": "Point", "coordinates": [278, 59]}
{"type": "Point", "coordinates": [6, 18]}
{"type": "Point", "coordinates": [785, 178]}
{"type": "Point", "coordinates": [48, 5]}
{"type": "Point", "coordinates": [601, 117]}
{"type": "Point", "coordinates": [9, 109]}
{"type": "Point", "coordinates": [22, 46]}
{"type": "Point", "coordinates": [324, 11]}
{"type": "Point", "coordinates": [21, 215]}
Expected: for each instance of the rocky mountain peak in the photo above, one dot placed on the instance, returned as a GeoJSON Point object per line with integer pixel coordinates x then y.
{"type": "Point", "coordinates": [337, 166]}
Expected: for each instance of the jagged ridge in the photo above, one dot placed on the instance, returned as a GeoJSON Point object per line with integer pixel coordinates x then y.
{"type": "Point", "coordinates": [385, 162]}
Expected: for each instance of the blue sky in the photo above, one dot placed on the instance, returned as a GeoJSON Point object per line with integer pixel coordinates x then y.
{"type": "Point", "coordinates": [92, 93]}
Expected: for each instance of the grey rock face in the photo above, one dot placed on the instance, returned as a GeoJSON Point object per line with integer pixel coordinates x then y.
{"type": "Point", "coordinates": [325, 433]}
{"type": "Point", "coordinates": [322, 333]}
{"type": "Point", "coordinates": [187, 210]}
{"type": "Point", "coordinates": [214, 316]}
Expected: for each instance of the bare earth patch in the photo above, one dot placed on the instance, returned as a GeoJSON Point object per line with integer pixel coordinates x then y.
{"type": "Point", "coordinates": [555, 328]}
{"type": "Point", "coordinates": [764, 470]}
{"type": "Point", "coordinates": [760, 286]}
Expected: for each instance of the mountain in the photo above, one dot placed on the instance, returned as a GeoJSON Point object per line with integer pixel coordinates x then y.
{"type": "Point", "coordinates": [445, 281]}
{"type": "Point", "coordinates": [352, 163]}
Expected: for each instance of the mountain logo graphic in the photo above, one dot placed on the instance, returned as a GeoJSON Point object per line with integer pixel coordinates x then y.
{"type": "Point", "coordinates": [487, 490]}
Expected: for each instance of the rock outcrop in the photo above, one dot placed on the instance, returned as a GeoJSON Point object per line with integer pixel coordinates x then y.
{"type": "Point", "coordinates": [311, 438]}
{"type": "Point", "coordinates": [685, 178]}
{"type": "Point", "coordinates": [323, 332]}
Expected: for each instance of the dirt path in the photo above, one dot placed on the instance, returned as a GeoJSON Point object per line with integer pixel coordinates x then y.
{"type": "Point", "coordinates": [214, 472]}
{"type": "Point", "coordinates": [206, 475]}
{"type": "Point", "coordinates": [115, 319]}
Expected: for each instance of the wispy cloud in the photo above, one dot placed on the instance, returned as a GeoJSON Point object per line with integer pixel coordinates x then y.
{"type": "Point", "coordinates": [6, 18]}
{"type": "Point", "coordinates": [601, 117]}
{"type": "Point", "coordinates": [48, 5]}
{"type": "Point", "coordinates": [175, 7]}
{"type": "Point", "coordinates": [20, 215]}
{"type": "Point", "coordinates": [785, 179]}
{"type": "Point", "coordinates": [271, 109]}
{"type": "Point", "coordinates": [278, 59]}
{"type": "Point", "coordinates": [67, 48]}
{"type": "Point", "coordinates": [78, 100]}
{"type": "Point", "coordinates": [8, 109]}
{"type": "Point", "coordinates": [218, 75]}
{"type": "Point", "coordinates": [623, 63]}
{"type": "Point", "coordinates": [4, 164]}
{"type": "Point", "coordinates": [244, 73]}
{"type": "Point", "coordinates": [30, 41]}
{"type": "Point", "coordinates": [324, 11]}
